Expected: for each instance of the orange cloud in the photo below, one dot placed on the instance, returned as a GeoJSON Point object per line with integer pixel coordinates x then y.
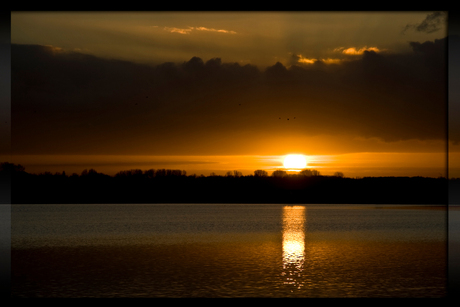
{"type": "Point", "coordinates": [178, 30]}
{"type": "Point", "coordinates": [190, 29]}
{"type": "Point", "coordinates": [355, 51]}
{"type": "Point", "coordinates": [54, 49]}
{"type": "Point", "coordinates": [303, 60]}
{"type": "Point", "coordinates": [331, 61]}
{"type": "Point", "coordinates": [214, 30]}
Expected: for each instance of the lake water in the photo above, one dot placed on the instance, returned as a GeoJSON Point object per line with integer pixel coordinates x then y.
{"type": "Point", "coordinates": [228, 250]}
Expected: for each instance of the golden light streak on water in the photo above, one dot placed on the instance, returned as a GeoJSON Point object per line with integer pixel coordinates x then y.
{"type": "Point", "coordinates": [293, 244]}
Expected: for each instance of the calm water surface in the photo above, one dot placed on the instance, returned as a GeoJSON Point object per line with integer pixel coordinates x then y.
{"type": "Point", "coordinates": [228, 250]}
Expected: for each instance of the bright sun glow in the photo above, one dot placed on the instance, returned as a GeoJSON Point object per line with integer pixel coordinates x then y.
{"type": "Point", "coordinates": [295, 161]}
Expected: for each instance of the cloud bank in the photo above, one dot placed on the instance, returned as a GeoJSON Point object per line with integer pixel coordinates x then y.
{"type": "Point", "coordinates": [70, 102]}
{"type": "Point", "coordinates": [432, 23]}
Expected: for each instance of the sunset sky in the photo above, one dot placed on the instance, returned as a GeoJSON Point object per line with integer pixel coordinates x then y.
{"type": "Point", "coordinates": [363, 93]}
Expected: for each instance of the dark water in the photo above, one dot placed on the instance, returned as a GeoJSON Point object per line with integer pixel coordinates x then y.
{"type": "Point", "coordinates": [228, 250]}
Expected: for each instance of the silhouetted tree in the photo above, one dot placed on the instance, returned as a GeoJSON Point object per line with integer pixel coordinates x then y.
{"type": "Point", "coordinates": [10, 167]}
{"type": "Point", "coordinates": [176, 173]}
{"type": "Point", "coordinates": [260, 173]}
{"type": "Point", "coordinates": [315, 172]}
{"type": "Point", "coordinates": [160, 173]}
{"type": "Point", "coordinates": [149, 173]}
{"type": "Point", "coordinates": [237, 174]}
{"type": "Point", "coordinates": [136, 172]}
{"type": "Point", "coordinates": [92, 172]}
{"type": "Point", "coordinates": [229, 174]}
{"type": "Point", "coordinates": [338, 174]}
{"type": "Point", "coordinates": [122, 174]}
{"type": "Point", "coordinates": [279, 173]}
{"type": "Point", "coordinates": [306, 172]}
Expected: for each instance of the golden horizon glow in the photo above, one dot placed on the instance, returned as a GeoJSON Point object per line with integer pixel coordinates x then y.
{"type": "Point", "coordinates": [295, 161]}
{"type": "Point", "coordinates": [351, 164]}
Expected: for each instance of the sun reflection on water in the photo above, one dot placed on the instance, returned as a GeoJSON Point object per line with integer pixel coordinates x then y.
{"type": "Point", "coordinates": [293, 244]}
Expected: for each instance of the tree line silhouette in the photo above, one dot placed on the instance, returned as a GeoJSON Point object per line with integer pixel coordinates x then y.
{"type": "Point", "coordinates": [175, 186]}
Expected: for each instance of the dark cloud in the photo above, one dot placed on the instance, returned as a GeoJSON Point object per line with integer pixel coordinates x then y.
{"type": "Point", "coordinates": [68, 102]}
{"type": "Point", "coordinates": [433, 22]}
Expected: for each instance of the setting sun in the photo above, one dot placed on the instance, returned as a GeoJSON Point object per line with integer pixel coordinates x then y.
{"type": "Point", "coordinates": [295, 161]}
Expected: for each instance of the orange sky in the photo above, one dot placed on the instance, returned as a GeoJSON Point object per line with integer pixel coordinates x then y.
{"type": "Point", "coordinates": [362, 93]}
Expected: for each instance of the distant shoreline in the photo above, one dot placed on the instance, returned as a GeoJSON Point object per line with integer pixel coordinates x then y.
{"type": "Point", "coordinates": [95, 187]}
